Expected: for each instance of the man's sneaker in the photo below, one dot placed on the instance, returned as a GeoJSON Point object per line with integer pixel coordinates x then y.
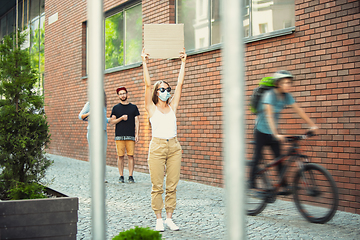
{"type": "Point", "coordinates": [169, 222]}
{"type": "Point", "coordinates": [159, 225]}
{"type": "Point", "coordinates": [131, 179]}
{"type": "Point", "coordinates": [121, 179]}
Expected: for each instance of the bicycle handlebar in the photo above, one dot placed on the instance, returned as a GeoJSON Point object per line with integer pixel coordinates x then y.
{"type": "Point", "coordinates": [300, 137]}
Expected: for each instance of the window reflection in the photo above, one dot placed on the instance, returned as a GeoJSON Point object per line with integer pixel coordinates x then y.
{"type": "Point", "coordinates": [202, 22]}
{"type": "Point", "coordinates": [187, 14]}
{"type": "Point", "coordinates": [246, 16]}
{"type": "Point", "coordinates": [133, 35]}
{"type": "Point", "coordinates": [37, 37]}
{"type": "Point", "coordinates": [114, 41]}
{"type": "Point", "coordinates": [266, 16]}
{"type": "Point", "coordinates": [216, 36]}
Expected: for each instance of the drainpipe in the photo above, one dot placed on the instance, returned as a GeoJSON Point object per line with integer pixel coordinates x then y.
{"type": "Point", "coordinates": [96, 97]}
{"type": "Point", "coordinates": [39, 42]}
{"type": "Point", "coordinates": [22, 12]}
{"type": "Point", "coordinates": [17, 22]}
{"type": "Point", "coordinates": [234, 118]}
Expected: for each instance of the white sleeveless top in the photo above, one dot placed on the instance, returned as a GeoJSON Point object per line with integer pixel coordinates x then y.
{"type": "Point", "coordinates": [163, 125]}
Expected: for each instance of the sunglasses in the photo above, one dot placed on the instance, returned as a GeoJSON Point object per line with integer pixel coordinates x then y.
{"type": "Point", "coordinates": [168, 89]}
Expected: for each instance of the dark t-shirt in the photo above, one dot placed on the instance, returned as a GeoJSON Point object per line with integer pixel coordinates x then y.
{"type": "Point", "coordinates": [125, 130]}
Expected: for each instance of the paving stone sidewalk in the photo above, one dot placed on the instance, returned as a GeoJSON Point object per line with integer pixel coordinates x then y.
{"type": "Point", "coordinates": [200, 212]}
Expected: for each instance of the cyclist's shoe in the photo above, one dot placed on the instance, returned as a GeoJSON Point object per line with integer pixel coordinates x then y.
{"type": "Point", "coordinates": [251, 184]}
{"type": "Point", "coordinates": [270, 196]}
{"type": "Point", "coordinates": [313, 192]}
{"type": "Point", "coordinates": [256, 193]}
{"type": "Point", "coordinates": [286, 191]}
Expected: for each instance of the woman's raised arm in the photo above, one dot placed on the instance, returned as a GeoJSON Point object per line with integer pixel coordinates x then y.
{"type": "Point", "coordinates": [176, 99]}
{"type": "Point", "coordinates": [149, 105]}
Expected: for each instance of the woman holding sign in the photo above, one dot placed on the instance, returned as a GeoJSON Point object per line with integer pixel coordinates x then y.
{"type": "Point", "coordinates": [164, 150]}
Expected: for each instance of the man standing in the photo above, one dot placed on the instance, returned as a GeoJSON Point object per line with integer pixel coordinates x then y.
{"type": "Point", "coordinates": [126, 117]}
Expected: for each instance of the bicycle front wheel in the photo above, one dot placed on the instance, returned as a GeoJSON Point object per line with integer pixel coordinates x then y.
{"type": "Point", "coordinates": [315, 193]}
{"type": "Point", "coordinates": [256, 198]}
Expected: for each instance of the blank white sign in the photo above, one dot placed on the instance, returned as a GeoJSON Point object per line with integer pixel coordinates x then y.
{"type": "Point", "coordinates": [164, 40]}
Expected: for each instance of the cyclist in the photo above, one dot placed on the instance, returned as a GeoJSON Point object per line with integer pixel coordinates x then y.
{"type": "Point", "coordinates": [266, 127]}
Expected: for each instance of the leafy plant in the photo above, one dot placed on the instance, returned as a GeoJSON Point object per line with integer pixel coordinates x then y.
{"type": "Point", "coordinates": [138, 233]}
{"type": "Point", "coordinates": [28, 191]}
{"type": "Point", "coordinates": [24, 131]}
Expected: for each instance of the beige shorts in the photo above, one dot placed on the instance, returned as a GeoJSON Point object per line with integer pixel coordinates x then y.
{"type": "Point", "coordinates": [121, 145]}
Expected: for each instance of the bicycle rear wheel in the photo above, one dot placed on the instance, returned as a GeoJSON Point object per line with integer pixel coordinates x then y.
{"type": "Point", "coordinates": [256, 198]}
{"type": "Point", "coordinates": [315, 193]}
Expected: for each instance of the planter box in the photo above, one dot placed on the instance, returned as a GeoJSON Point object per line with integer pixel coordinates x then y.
{"type": "Point", "coordinates": [49, 218]}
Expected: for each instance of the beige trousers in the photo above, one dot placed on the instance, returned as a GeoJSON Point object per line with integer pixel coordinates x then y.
{"type": "Point", "coordinates": [164, 154]}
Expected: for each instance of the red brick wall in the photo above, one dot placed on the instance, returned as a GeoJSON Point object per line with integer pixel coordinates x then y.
{"type": "Point", "coordinates": [323, 54]}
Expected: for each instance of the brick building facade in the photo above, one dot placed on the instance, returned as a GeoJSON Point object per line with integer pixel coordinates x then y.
{"type": "Point", "coordinates": [322, 52]}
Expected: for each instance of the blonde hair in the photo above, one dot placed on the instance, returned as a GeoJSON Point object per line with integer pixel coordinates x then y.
{"type": "Point", "coordinates": [155, 98]}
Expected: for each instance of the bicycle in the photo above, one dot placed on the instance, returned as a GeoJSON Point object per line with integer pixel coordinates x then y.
{"type": "Point", "coordinates": [314, 190]}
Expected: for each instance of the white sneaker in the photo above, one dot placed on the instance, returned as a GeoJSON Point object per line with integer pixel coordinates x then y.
{"type": "Point", "coordinates": [169, 222]}
{"type": "Point", "coordinates": [159, 225]}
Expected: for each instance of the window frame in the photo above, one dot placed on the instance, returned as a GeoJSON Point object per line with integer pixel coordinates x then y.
{"type": "Point", "coordinates": [109, 13]}
{"type": "Point", "coordinates": [112, 12]}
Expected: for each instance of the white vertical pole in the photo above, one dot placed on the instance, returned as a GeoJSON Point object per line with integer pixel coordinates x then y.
{"type": "Point", "coordinates": [234, 118]}
{"type": "Point", "coordinates": [96, 97]}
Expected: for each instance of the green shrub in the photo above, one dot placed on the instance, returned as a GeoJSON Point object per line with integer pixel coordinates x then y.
{"type": "Point", "coordinates": [27, 191]}
{"type": "Point", "coordinates": [138, 233]}
{"type": "Point", "coordinates": [24, 130]}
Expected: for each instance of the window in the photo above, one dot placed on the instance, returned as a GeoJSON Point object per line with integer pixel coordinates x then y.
{"type": "Point", "coordinates": [31, 15]}
{"type": "Point", "coordinates": [3, 28]}
{"type": "Point", "coordinates": [11, 21]}
{"type": "Point", "coordinates": [266, 16]}
{"type": "Point", "coordinates": [37, 34]}
{"type": "Point", "coordinates": [8, 20]}
{"type": "Point", "coordinates": [123, 37]}
{"type": "Point", "coordinates": [37, 38]}
{"type": "Point", "coordinates": [202, 22]}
